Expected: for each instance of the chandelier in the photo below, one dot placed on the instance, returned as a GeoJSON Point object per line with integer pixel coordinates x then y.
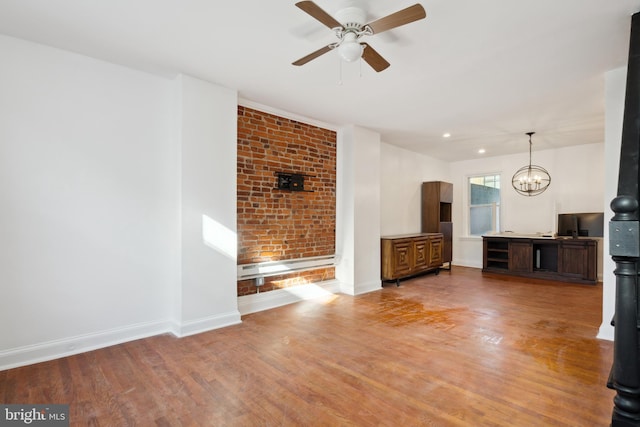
{"type": "Point", "coordinates": [531, 180]}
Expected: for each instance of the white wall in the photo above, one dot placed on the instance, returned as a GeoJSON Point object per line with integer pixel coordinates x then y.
{"type": "Point", "coordinates": [615, 86]}
{"type": "Point", "coordinates": [89, 194]}
{"type": "Point", "coordinates": [116, 188]}
{"type": "Point", "coordinates": [401, 174]}
{"type": "Point", "coordinates": [577, 185]}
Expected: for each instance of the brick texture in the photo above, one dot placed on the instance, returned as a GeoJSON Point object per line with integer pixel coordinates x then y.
{"type": "Point", "coordinates": [277, 224]}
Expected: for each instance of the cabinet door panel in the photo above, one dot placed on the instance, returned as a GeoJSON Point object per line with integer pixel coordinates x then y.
{"type": "Point", "coordinates": [420, 254]}
{"type": "Point", "coordinates": [402, 257]}
{"type": "Point", "coordinates": [574, 260]}
{"type": "Point", "coordinates": [520, 257]}
{"type": "Point", "coordinates": [446, 192]}
{"type": "Point", "coordinates": [430, 207]}
{"type": "Point", "coordinates": [435, 252]}
{"type": "Point", "coordinates": [578, 259]}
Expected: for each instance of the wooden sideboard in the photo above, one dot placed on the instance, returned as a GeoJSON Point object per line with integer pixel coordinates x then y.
{"type": "Point", "coordinates": [563, 259]}
{"type": "Point", "coordinates": [410, 254]}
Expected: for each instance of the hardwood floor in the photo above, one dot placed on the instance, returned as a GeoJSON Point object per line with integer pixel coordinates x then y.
{"type": "Point", "coordinates": [457, 349]}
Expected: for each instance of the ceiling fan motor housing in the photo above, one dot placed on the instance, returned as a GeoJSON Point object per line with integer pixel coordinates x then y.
{"type": "Point", "coordinates": [351, 18]}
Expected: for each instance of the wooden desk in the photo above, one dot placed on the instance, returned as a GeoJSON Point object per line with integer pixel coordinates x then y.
{"type": "Point", "coordinates": [563, 259]}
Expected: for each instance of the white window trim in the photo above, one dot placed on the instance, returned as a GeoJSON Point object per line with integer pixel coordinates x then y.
{"type": "Point", "coordinates": [467, 204]}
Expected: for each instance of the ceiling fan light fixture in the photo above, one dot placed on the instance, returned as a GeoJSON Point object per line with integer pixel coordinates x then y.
{"type": "Point", "coordinates": [350, 26]}
{"type": "Point", "coordinates": [350, 48]}
{"type": "Point", "coordinates": [350, 51]}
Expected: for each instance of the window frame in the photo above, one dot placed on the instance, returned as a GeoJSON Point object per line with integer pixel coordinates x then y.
{"type": "Point", "coordinates": [496, 214]}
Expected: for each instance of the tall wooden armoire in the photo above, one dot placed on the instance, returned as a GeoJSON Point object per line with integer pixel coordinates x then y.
{"type": "Point", "coordinates": [437, 198]}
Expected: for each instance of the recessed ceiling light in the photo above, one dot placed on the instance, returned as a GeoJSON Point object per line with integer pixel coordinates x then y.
{"type": "Point", "coordinates": [446, 135]}
{"type": "Point", "coordinates": [481, 151]}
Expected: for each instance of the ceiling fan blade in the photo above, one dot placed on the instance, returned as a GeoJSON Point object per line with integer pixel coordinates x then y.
{"type": "Point", "coordinates": [373, 58]}
{"type": "Point", "coordinates": [402, 17]}
{"type": "Point", "coordinates": [314, 55]}
{"type": "Point", "coordinates": [318, 13]}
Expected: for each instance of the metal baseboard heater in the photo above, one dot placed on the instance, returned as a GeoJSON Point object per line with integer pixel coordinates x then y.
{"type": "Point", "coordinates": [275, 268]}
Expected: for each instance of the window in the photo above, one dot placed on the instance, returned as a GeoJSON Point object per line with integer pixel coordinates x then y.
{"type": "Point", "coordinates": [484, 204]}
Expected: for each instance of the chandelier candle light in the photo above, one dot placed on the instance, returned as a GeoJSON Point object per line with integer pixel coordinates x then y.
{"type": "Point", "coordinates": [531, 180]}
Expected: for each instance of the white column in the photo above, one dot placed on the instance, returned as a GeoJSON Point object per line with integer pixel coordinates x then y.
{"type": "Point", "coordinates": [207, 131]}
{"type": "Point", "coordinates": [615, 85]}
{"type": "Point", "coordinates": [358, 210]}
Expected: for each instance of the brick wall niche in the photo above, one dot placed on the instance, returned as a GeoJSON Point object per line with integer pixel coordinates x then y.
{"type": "Point", "coordinates": [278, 224]}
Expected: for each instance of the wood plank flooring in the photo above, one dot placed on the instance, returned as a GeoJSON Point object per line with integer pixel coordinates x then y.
{"type": "Point", "coordinates": [456, 349]}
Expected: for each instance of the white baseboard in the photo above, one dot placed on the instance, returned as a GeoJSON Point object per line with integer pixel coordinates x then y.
{"type": "Point", "coordinates": [55, 349]}
{"type": "Point", "coordinates": [198, 326]}
{"type": "Point", "coordinates": [467, 263]}
{"type": "Point", "coordinates": [272, 299]}
{"type": "Point", "coordinates": [606, 332]}
{"type": "Point", "coordinates": [27, 355]}
{"type": "Point", "coordinates": [42, 352]}
{"type": "Point", "coordinates": [347, 289]}
{"type": "Point", "coordinates": [368, 287]}
{"type": "Point", "coordinates": [360, 288]}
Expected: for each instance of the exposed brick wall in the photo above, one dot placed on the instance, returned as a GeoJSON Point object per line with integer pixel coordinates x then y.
{"type": "Point", "coordinates": [247, 287]}
{"type": "Point", "coordinates": [277, 224]}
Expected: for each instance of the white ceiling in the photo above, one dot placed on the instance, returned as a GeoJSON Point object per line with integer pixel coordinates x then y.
{"type": "Point", "coordinates": [485, 71]}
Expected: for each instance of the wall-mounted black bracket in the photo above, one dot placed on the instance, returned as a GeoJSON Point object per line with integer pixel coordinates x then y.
{"type": "Point", "coordinates": [292, 181]}
{"type": "Point", "coordinates": [624, 238]}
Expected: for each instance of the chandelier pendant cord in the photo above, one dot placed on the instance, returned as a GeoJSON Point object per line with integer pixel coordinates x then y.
{"type": "Point", "coordinates": [530, 144]}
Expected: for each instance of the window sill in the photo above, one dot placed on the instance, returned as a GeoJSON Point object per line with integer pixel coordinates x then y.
{"type": "Point", "coordinates": [470, 238]}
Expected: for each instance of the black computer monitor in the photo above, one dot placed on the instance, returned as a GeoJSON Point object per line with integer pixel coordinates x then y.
{"type": "Point", "coordinates": [568, 225]}
{"type": "Point", "coordinates": [591, 224]}
{"type": "Point", "coordinates": [588, 224]}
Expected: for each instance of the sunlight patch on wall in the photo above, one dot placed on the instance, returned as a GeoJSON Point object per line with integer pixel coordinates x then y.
{"type": "Point", "coordinates": [219, 237]}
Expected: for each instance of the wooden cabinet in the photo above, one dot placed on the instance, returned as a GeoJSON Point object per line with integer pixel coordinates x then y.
{"type": "Point", "coordinates": [437, 199]}
{"type": "Point", "coordinates": [570, 260]}
{"type": "Point", "coordinates": [410, 254]}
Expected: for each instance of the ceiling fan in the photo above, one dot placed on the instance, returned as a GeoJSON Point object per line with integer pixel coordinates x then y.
{"type": "Point", "coordinates": [349, 27]}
